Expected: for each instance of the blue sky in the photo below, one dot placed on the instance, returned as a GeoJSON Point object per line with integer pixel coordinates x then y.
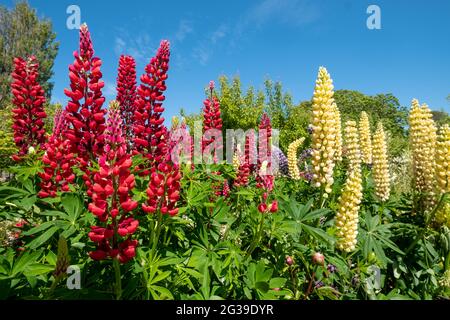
{"type": "Point", "coordinates": [286, 40]}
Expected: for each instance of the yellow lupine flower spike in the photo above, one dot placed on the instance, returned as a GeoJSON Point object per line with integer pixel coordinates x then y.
{"type": "Point", "coordinates": [324, 132]}
{"type": "Point", "coordinates": [347, 217]}
{"type": "Point", "coordinates": [294, 172]}
{"type": "Point", "coordinates": [338, 142]}
{"type": "Point", "coordinates": [422, 143]}
{"type": "Point", "coordinates": [380, 166]}
{"type": "Point", "coordinates": [366, 139]}
{"type": "Point", "coordinates": [442, 172]}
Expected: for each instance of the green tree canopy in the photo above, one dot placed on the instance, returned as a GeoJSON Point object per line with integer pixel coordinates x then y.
{"type": "Point", "coordinates": [22, 33]}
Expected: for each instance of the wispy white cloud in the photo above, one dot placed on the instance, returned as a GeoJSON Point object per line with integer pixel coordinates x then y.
{"type": "Point", "coordinates": [206, 47]}
{"type": "Point", "coordinates": [219, 33]}
{"type": "Point", "coordinates": [140, 46]}
{"type": "Point", "coordinates": [184, 28]}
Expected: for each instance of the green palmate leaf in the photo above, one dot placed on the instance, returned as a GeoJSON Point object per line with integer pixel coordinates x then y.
{"type": "Point", "coordinates": [43, 238]}
{"type": "Point", "coordinates": [277, 282]}
{"type": "Point", "coordinates": [25, 259]}
{"type": "Point", "coordinates": [37, 269]}
{"type": "Point", "coordinates": [318, 234]}
{"type": "Point", "coordinates": [42, 227]}
{"type": "Point", "coordinates": [72, 205]}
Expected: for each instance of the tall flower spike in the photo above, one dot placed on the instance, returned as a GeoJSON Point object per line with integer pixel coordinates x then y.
{"type": "Point", "coordinates": [380, 167]}
{"type": "Point", "coordinates": [422, 144]}
{"type": "Point", "coordinates": [265, 179]}
{"type": "Point", "coordinates": [366, 139]}
{"type": "Point", "coordinates": [85, 115]}
{"type": "Point", "coordinates": [212, 120]}
{"type": "Point", "coordinates": [126, 95]}
{"type": "Point", "coordinates": [352, 144]}
{"type": "Point", "coordinates": [347, 216]}
{"type": "Point", "coordinates": [58, 160]}
{"type": "Point", "coordinates": [442, 172]}
{"type": "Point", "coordinates": [338, 141]}
{"type": "Point", "coordinates": [324, 132]}
{"type": "Point", "coordinates": [111, 199]}
{"type": "Point", "coordinates": [150, 134]}
{"type": "Point", "coordinates": [28, 100]}
{"type": "Point", "coordinates": [292, 158]}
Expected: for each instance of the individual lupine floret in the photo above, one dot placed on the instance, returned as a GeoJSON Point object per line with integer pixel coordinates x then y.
{"type": "Point", "coordinates": [126, 95]}
{"type": "Point", "coordinates": [323, 132]}
{"type": "Point", "coordinates": [347, 216]}
{"type": "Point", "coordinates": [380, 161]}
{"type": "Point", "coordinates": [338, 141]}
{"type": "Point", "coordinates": [292, 158]}
{"type": "Point", "coordinates": [442, 172]}
{"type": "Point", "coordinates": [212, 121]}
{"type": "Point", "coordinates": [422, 143]}
{"type": "Point", "coordinates": [58, 160]}
{"type": "Point", "coordinates": [150, 134]}
{"type": "Point", "coordinates": [111, 198]}
{"type": "Point", "coordinates": [28, 113]}
{"type": "Point", "coordinates": [85, 115]}
{"type": "Point", "coordinates": [366, 138]}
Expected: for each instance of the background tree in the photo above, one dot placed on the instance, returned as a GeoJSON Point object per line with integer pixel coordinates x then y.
{"type": "Point", "coordinates": [22, 33]}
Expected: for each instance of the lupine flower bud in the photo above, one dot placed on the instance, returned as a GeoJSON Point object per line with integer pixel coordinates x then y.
{"type": "Point", "coordinates": [150, 134]}
{"type": "Point", "coordinates": [58, 160]}
{"type": "Point", "coordinates": [380, 167]}
{"type": "Point", "coordinates": [366, 139]}
{"type": "Point", "coordinates": [422, 143]}
{"type": "Point", "coordinates": [442, 172]}
{"type": "Point", "coordinates": [292, 158]}
{"type": "Point", "coordinates": [347, 216]}
{"type": "Point", "coordinates": [28, 99]}
{"type": "Point", "coordinates": [111, 197]}
{"type": "Point", "coordinates": [289, 261]}
{"type": "Point", "coordinates": [126, 95]}
{"type": "Point", "coordinates": [318, 258]}
{"type": "Point", "coordinates": [338, 141]}
{"type": "Point", "coordinates": [324, 132]}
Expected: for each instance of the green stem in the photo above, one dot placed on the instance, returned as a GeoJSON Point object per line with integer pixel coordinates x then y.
{"type": "Point", "coordinates": [447, 262]}
{"type": "Point", "coordinates": [257, 237]}
{"type": "Point", "coordinates": [118, 287]}
{"type": "Point", "coordinates": [157, 232]}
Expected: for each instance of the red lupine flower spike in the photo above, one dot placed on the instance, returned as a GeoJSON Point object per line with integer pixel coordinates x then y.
{"type": "Point", "coordinates": [126, 95]}
{"type": "Point", "coordinates": [111, 195]}
{"type": "Point", "coordinates": [58, 162]}
{"type": "Point", "coordinates": [265, 178]}
{"type": "Point", "coordinates": [150, 134]}
{"type": "Point", "coordinates": [29, 99]}
{"type": "Point", "coordinates": [212, 120]}
{"type": "Point", "coordinates": [85, 115]}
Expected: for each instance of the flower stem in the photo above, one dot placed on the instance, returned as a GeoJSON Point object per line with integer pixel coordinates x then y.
{"type": "Point", "coordinates": [257, 237]}
{"type": "Point", "coordinates": [118, 286]}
